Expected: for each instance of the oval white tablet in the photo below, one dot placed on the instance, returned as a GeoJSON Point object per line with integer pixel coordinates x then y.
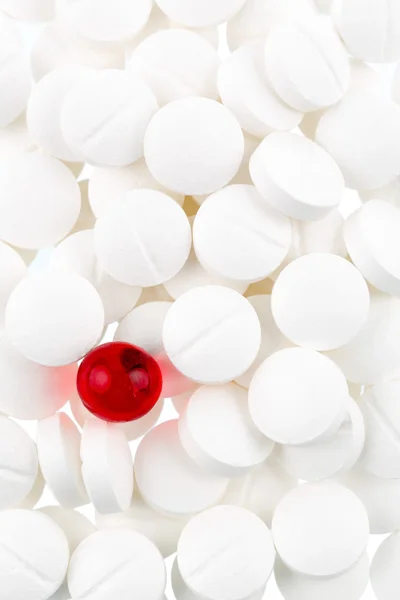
{"type": "Point", "coordinates": [236, 235]}
{"type": "Point", "coordinates": [193, 146]}
{"type": "Point", "coordinates": [200, 13]}
{"type": "Point", "coordinates": [212, 334]}
{"type": "Point", "coordinates": [12, 270]}
{"type": "Point", "coordinates": [168, 479]}
{"type": "Point", "coordinates": [296, 176]}
{"type": "Point", "coordinates": [328, 546]}
{"type": "Point", "coordinates": [297, 395]}
{"type": "Point", "coordinates": [385, 577]}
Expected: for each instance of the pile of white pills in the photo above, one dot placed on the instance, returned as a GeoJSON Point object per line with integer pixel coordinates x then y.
{"type": "Point", "coordinates": [206, 195]}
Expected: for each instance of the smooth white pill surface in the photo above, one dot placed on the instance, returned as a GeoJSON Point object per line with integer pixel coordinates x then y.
{"type": "Point", "coordinates": [320, 301]}
{"type": "Point", "coordinates": [236, 235]}
{"type": "Point", "coordinates": [144, 240]}
{"type": "Point", "coordinates": [194, 146]}
{"type": "Point", "coordinates": [12, 270]}
{"type": "Point", "coordinates": [168, 479]}
{"type": "Point", "coordinates": [218, 434]}
{"type": "Point", "coordinates": [385, 578]}
{"type": "Point", "coordinates": [117, 562]}
{"type": "Point", "coordinates": [212, 334]}
{"type": "Point", "coordinates": [296, 176]}
{"type": "Point", "coordinates": [311, 544]}
{"type": "Point", "coordinates": [54, 318]}
{"type": "Point", "coordinates": [297, 395]}
{"type": "Point", "coordinates": [200, 13]}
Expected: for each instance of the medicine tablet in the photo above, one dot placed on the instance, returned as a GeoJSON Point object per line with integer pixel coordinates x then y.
{"type": "Point", "coordinates": [54, 318]}
{"type": "Point", "coordinates": [144, 240]}
{"type": "Point", "coordinates": [117, 563]}
{"type": "Point", "coordinates": [107, 467]}
{"type": "Point", "coordinates": [371, 236]}
{"type": "Point", "coordinates": [385, 578]}
{"type": "Point", "coordinates": [297, 395]}
{"type": "Point", "coordinates": [241, 548]}
{"type": "Point", "coordinates": [58, 443]}
{"type": "Point", "coordinates": [320, 301]}
{"type": "Point", "coordinates": [307, 63]}
{"type": "Point", "coordinates": [200, 13]}
{"type": "Point", "coordinates": [193, 146]}
{"type": "Point", "coordinates": [236, 235]}
{"type": "Point", "coordinates": [34, 555]}
{"type": "Point", "coordinates": [104, 118]}
{"type": "Point", "coordinates": [18, 464]}
{"type": "Point", "coordinates": [169, 481]}
{"type": "Point", "coordinates": [29, 390]}
{"type": "Point", "coordinates": [212, 334]}
{"type": "Point", "coordinates": [39, 201]}
{"type": "Point", "coordinates": [296, 176]}
{"type": "Point", "coordinates": [218, 434]}
{"type": "Point", "coordinates": [12, 270]}
{"type": "Point", "coordinates": [362, 134]}
{"type": "Point", "coordinates": [328, 546]}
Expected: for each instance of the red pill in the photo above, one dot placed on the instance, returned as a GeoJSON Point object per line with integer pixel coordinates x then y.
{"type": "Point", "coordinates": [119, 382]}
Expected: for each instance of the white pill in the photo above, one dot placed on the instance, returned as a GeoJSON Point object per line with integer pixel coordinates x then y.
{"type": "Point", "coordinates": [39, 201]}
{"type": "Point", "coordinates": [371, 236]}
{"type": "Point", "coordinates": [104, 118]}
{"type": "Point", "coordinates": [54, 318]}
{"type": "Point", "coordinates": [12, 270]}
{"type": "Point", "coordinates": [34, 555]}
{"type": "Point", "coordinates": [348, 586]}
{"type": "Point", "coordinates": [325, 458]}
{"type": "Point", "coordinates": [168, 479]}
{"type": "Point", "coordinates": [176, 63]}
{"type": "Point", "coordinates": [107, 467]}
{"type": "Point", "coordinates": [385, 577]}
{"type": "Point", "coordinates": [217, 432]}
{"type": "Point", "coordinates": [29, 390]}
{"type": "Point", "coordinates": [200, 13]}
{"type": "Point", "coordinates": [193, 146]}
{"type": "Point", "coordinates": [307, 64]}
{"type": "Point", "coordinates": [238, 236]}
{"type": "Point", "coordinates": [117, 562]}
{"type": "Point", "coordinates": [296, 176]}
{"type": "Point", "coordinates": [373, 355]}
{"type": "Point", "coordinates": [29, 10]}
{"type": "Point", "coordinates": [370, 32]}
{"type": "Point", "coordinates": [311, 544]}
{"type": "Point", "coordinates": [320, 301]}
{"type": "Point", "coordinates": [144, 240]}
{"type": "Point", "coordinates": [246, 90]}
{"type": "Point", "coordinates": [58, 441]}
{"type": "Point", "coordinates": [18, 464]}
{"type": "Point", "coordinates": [212, 334]}
{"type": "Point", "coordinates": [241, 548]}
{"type": "Point", "coordinates": [362, 134]}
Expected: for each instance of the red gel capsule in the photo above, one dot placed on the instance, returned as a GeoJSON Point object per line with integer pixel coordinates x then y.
{"type": "Point", "coordinates": [119, 382]}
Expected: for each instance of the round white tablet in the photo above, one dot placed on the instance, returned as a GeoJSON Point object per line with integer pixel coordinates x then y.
{"type": "Point", "coordinates": [385, 577]}
{"type": "Point", "coordinates": [168, 479]}
{"type": "Point", "coordinates": [238, 236]}
{"type": "Point", "coordinates": [296, 176]}
{"type": "Point", "coordinates": [29, 390]}
{"type": "Point", "coordinates": [217, 432]}
{"type": "Point", "coordinates": [144, 240]}
{"type": "Point", "coordinates": [246, 90]}
{"type": "Point", "coordinates": [12, 270]}
{"type": "Point", "coordinates": [241, 550]}
{"type": "Point", "coordinates": [117, 562]}
{"type": "Point", "coordinates": [297, 395]}
{"type": "Point", "coordinates": [176, 63]}
{"type": "Point", "coordinates": [311, 544]}
{"type": "Point", "coordinates": [39, 201]}
{"type": "Point", "coordinates": [18, 463]}
{"type": "Point", "coordinates": [107, 467]}
{"type": "Point", "coordinates": [104, 118]}
{"type": "Point", "coordinates": [58, 441]}
{"type": "Point", "coordinates": [373, 355]}
{"type": "Point", "coordinates": [54, 318]}
{"type": "Point", "coordinates": [200, 13]}
{"type": "Point", "coordinates": [320, 301]}
{"type": "Point", "coordinates": [371, 236]}
{"type": "Point", "coordinates": [362, 134]}
{"type": "Point", "coordinates": [34, 555]}
{"type": "Point", "coordinates": [194, 146]}
{"type": "Point", "coordinates": [212, 334]}
{"type": "Point", "coordinates": [307, 63]}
